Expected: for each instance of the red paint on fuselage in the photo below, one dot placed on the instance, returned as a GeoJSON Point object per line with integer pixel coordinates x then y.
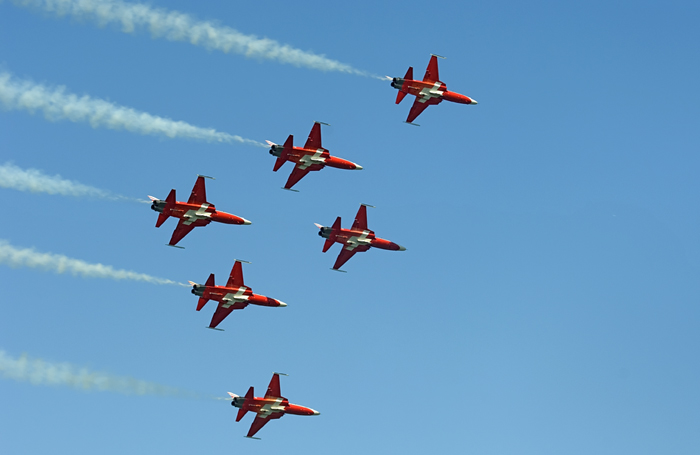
{"type": "Point", "coordinates": [180, 209]}
{"type": "Point", "coordinates": [218, 293]}
{"type": "Point", "coordinates": [257, 403]}
{"type": "Point", "coordinates": [346, 234]}
{"type": "Point", "coordinates": [438, 88]}
{"type": "Point", "coordinates": [297, 154]}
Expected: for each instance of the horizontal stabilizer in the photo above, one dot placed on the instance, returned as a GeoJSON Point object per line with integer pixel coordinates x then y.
{"type": "Point", "coordinates": [251, 437]}
{"type": "Point", "coordinates": [278, 164]}
{"type": "Point", "coordinates": [409, 74]}
{"type": "Point", "coordinates": [167, 209]}
{"type": "Point", "coordinates": [338, 270]}
{"type": "Point", "coordinates": [400, 96]}
{"type": "Point", "coordinates": [215, 328]}
{"type": "Point", "coordinates": [290, 189]}
{"type": "Point", "coordinates": [329, 243]}
{"type": "Point", "coordinates": [201, 302]}
{"type": "Point", "coordinates": [411, 123]}
{"type": "Point", "coordinates": [175, 246]}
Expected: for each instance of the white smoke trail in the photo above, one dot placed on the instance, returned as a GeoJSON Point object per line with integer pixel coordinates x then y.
{"type": "Point", "coordinates": [33, 180]}
{"type": "Point", "coordinates": [41, 372]}
{"type": "Point", "coordinates": [58, 263]}
{"type": "Point", "coordinates": [177, 26]}
{"type": "Point", "coordinates": [57, 104]}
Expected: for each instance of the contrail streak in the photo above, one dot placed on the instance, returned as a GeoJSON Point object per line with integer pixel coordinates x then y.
{"type": "Point", "coordinates": [58, 263]}
{"type": "Point", "coordinates": [33, 180]}
{"type": "Point", "coordinates": [178, 26]}
{"type": "Point", "coordinates": [57, 104]}
{"type": "Point", "coordinates": [41, 372]}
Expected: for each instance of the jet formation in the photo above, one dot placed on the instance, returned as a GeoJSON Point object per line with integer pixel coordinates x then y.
{"type": "Point", "coordinates": [235, 295]}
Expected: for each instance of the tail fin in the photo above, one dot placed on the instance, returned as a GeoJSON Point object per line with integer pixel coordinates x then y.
{"type": "Point", "coordinates": [287, 147]}
{"type": "Point", "coordinates": [334, 233]}
{"type": "Point", "coordinates": [244, 409]}
{"type": "Point", "coordinates": [167, 210]}
{"type": "Point", "coordinates": [204, 298]}
{"type": "Point", "coordinates": [402, 93]}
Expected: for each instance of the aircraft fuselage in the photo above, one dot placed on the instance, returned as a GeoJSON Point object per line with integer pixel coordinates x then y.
{"type": "Point", "coordinates": [229, 296]}
{"type": "Point", "coordinates": [359, 239]}
{"type": "Point", "coordinates": [430, 92]}
{"type": "Point", "coordinates": [272, 405]}
{"type": "Point", "coordinates": [313, 160]}
{"type": "Point", "coordinates": [201, 214]}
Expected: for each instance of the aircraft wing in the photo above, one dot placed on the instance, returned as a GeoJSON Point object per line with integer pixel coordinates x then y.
{"type": "Point", "coordinates": [431, 73]}
{"type": "Point", "coordinates": [273, 390]}
{"type": "Point", "coordinates": [199, 192]}
{"type": "Point", "coordinates": [344, 257]}
{"type": "Point", "coordinates": [417, 108]}
{"type": "Point", "coordinates": [258, 423]}
{"type": "Point", "coordinates": [314, 140]}
{"type": "Point", "coordinates": [181, 230]}
{"type": "Point", "coordinates": [236, 277]}
{"type": "Point", "coordinates": [360, 219]}
{"type": "Point", "coordinates": [221, 312]}
{"type": "Point", "coordinates": [296, 175]}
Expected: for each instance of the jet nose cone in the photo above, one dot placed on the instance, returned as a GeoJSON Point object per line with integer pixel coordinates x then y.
{"type": "Point", "coordinates": [358, 167]}
{"type": "Point", "coordinates": [402, 248]}
{"type": "Point", "coordinates": [281, 303]}
{"type": "Point", "coordinates": [246, 222]}
{"type": "Point", "coordinates": [473, 101]}
{"type": "Point", "coordinates": [316, 413]}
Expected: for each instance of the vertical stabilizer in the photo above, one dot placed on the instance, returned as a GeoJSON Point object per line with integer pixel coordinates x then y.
{"type": "Point", "coordinates": [334, 233]}
{"type": "Point", "coordinates": [286, 148]}
{"type": "Point", "coordinates": [244, 409]}
{"type": "Point", "coordinates": [403, 92]}
{"type": "Point", "coordinates": [167, 210]}
{"type": "Point", "coordinates": [205, 296]}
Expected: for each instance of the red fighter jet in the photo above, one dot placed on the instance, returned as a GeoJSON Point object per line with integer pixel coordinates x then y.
{"type": "Point", "coordinates": [272, 406]}
{"type": "Point", "coordinates": [234, 296]}
{"type": "Point", "coordinates": [312, 157]}
{"type": "Point", "coordinates": [195, 212]}
{"type": "Point", "coordinates": [357, 238]}
{"type": "Point", "coordinates": [427, 92]}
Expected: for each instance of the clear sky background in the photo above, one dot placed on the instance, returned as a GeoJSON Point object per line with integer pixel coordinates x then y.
{"type": "Point", "coordinates": [548, 302]}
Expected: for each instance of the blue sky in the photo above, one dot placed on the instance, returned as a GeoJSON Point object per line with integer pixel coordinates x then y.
{"type": "Point", "coordinates": [548, 299]}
